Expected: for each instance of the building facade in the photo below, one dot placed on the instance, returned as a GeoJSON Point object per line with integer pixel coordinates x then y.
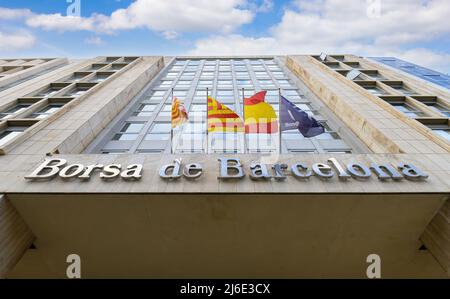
{"type": "Point", "coordinates": [90, 165]}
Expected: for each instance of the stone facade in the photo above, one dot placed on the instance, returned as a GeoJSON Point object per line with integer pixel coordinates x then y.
{"type": "Point", "coordinates": [211, 227]}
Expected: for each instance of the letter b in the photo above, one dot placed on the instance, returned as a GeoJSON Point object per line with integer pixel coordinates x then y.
{"type": "Point", "coordinates": [233, 164]}
{"type": "Point", "coordinates": [47, 170]}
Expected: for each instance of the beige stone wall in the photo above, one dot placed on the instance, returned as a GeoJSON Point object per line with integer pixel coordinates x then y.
{"type": "Point", "coordinates": [15, 236]}
{"type": "Point", "coordinates": [37, 66]}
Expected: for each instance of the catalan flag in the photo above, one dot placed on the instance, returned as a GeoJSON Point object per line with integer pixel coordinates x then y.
{"type": "Point", "coordinates": [222, 119]}
{"type": "Point", "coordinates": [179, 114]}
{"type": "Point", "coordinates": [260, 117]}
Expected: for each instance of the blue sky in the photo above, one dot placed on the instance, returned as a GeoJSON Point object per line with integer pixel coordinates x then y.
{"type": "Point", "coordinates": [410, 29]}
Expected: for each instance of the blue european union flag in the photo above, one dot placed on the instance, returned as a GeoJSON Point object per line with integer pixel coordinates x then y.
{"type": "Point", "coordinates": [292, 117]}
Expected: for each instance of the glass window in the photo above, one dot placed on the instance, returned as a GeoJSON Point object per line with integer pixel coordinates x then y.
{"type": "Point", "coordinates": [8, 135]}
{"type": "Point", "coordinates": [46, 111]}
{"type": "Point", "coordinates": [225, 93]}
{"type": "Point", "coordinates": [284, 83]}
{"type": "Point", "coordinates": [439, 108]}
{"type": "Point", "coordinates": [171, 75]}
{"type": "Point", "coordinates": [278, 75]}
{"type": "Point", "coordinates": [243, 75]}
{"type": "Point", "coordinates": [375, 90]}
{"type": "Point", "coordinates": [209, 68]}
{"type": "Point", "coordinates": [132, 127]}
{"type": "Point", "coordinates": [403, 89]}
{"type": "Point", "coordinates": [195, 127]}
{"type": "Point", "coordinates": [194, 62]}
{"type": "Point", "coordinates": [161, 128]}
{"type": "Point", "coordinates": [261, 74]}
{"type": "Point", "coordinates": [48, 92]}
{"type": "Point", "coordinates": [207, 75]}
{"type": "Point", "coordinates": [408, 110]}
{"type": "Point", "coordinates": [145, 110]}
{"type": "Point", "coordinates": [180, 62]}
{"type": "Point", "coordinates": [129, 131]}
{"type": "Point", "coordinates": [166, 83]}
{"type": "Point", "coordinates": [157, 137]}
{"type": "Point", "coordinates": [166, 110]}
{"type": "Point", "coordinates": [14, 110]}
{"type": "Point", "coordinates": [77, 92]}
{"type": "Point", "coordinates": [443, 133]}
{"type": "Point", "coordinates": [225, 83]}
{"type": "Point", "coordinates": [183, 83]}
{"type": "Point", "coordinates": [224, 75]}
{"type": "Point", "coordinates": [179, 93]}
{"type": "Point", "coordinates": [225, 142]}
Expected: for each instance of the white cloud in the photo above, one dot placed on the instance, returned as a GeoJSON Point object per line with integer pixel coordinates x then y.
{"type": "Point", "coordinates": [60, 23]}
{"type": "Point", "coordinates": [11, 14]}
{"type": "Point", "coordinates": [168, 17]}
{"type": "Point", "coordinates": [18, 40]}
{"type": "Point", "coordinates": [170, 34]}
{"type": "Point", "coordinates": [94, 40]}
{"type": "Point", "coordinates": [334, 26]}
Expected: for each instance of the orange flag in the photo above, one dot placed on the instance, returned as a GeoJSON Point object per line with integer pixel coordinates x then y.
{"type": "Point", "coordinates": [260, 117]}
{"type": "Point", "coordinates": [179, 114]}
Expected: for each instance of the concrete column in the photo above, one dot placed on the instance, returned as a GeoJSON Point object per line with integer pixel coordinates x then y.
{"type": "Point", "coordinates": [15, 236]}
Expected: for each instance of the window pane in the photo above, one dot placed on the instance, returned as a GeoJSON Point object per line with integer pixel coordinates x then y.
{"type": "Point", "coordinates": [161, 128]}
{"type": "Point", "coordinates": [132, 128]}
{"type": "Point", "coordinates": [8, 135]}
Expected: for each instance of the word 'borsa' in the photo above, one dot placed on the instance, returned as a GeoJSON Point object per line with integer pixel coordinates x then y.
{"type": "Point", "coordinates": [232, 168]}
{"type": "Point", "coordinates": [51, 168]}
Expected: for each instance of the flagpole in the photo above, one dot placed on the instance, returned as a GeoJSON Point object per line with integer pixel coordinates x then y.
{"type": "Point", "coordinates": [279, 118]}
{"type": "Point", "coordinates": [207, 126]}
{"type": "Point", "coordinates": [243, 119]}
{"type": "Point", "coordinates": [171, 125]}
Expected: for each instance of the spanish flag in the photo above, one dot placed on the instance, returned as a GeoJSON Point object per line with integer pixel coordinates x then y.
{"type": "Point", "coordinates": [260, 117]}
{"type": "Point", "coordinates": [179, 114]}
{"type": "Point", "coordinates": [222, 119]}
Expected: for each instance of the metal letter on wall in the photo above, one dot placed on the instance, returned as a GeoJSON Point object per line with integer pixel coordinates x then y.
{"type": "Point", "coordinates": [230, 164]}
{"type": "Point", "coordinates": [412, 173]}
{"type": "Point", "coordinates": [192, 171]}
{"type": "Point", "coordinates": [171, 171]}
{"type": "Point", "coordinates": [258, 171]}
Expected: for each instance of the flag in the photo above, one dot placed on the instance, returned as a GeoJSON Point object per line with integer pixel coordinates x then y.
{"type": "Point", "coordinates": [222, 119]}
{"type": "Point", "coordinates": [292, 117]}
{"type": "Point", "coordinates": [179, 114]}
{"type": "Point", "coordinates": [260, 117]}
